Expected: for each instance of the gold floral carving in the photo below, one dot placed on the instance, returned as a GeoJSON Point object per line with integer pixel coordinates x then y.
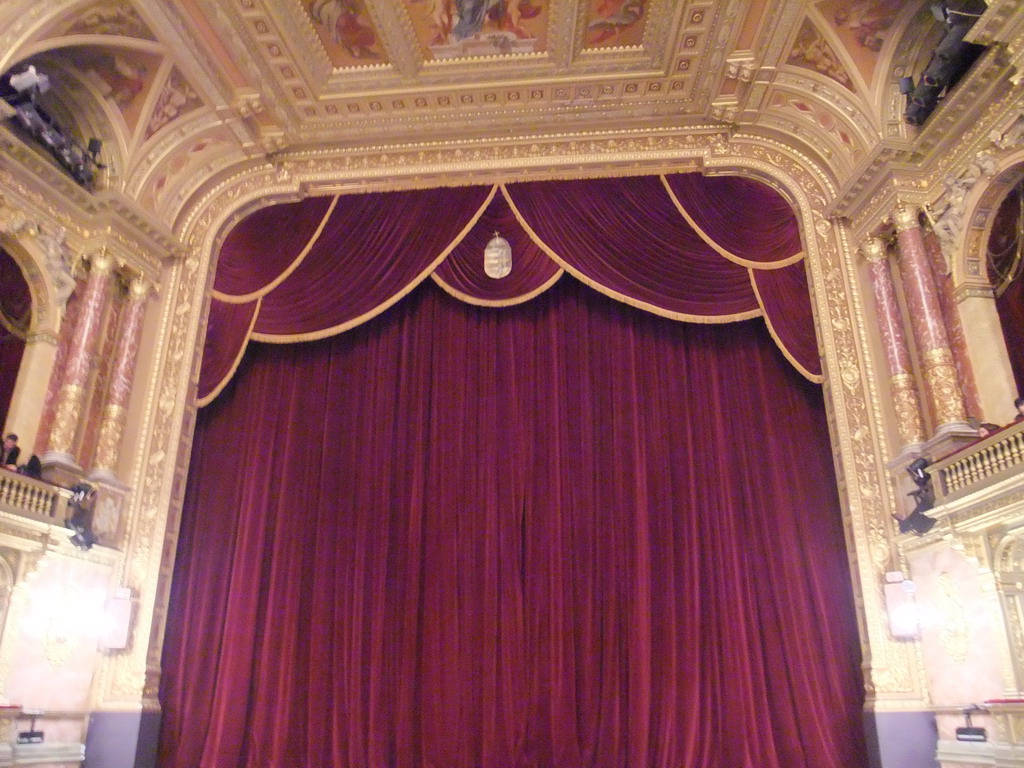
{"type": "Point", "coordinates": [109, 440]}
{"type": "Point", "coordinates": [1010, 585]}
{"type": "Point", "coordinates": [132, 678]}
{"type": "Point", "coordinates": [1015, 625]}
{"type": "Point", "coordinates": [944, 385]}
{"type": "Point", "coordinates": [908, 408]}
{"type": "Point", "coordinates": [67, 412]}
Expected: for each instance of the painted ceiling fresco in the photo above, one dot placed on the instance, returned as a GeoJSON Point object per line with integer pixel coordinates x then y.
{"type": "Point", "coordinates": [448, 29]}
{"type": "Point", "coordinates": [109, 18]}
{"type": "Point", "coordinates": [177, 98]}
{"type": "Point", "coordinates": [121, 76]}
{"type": "Point", "coordinates": [451, 29]}
{"type": "Point", "coordinates": [347, 32]}
{"type": "Point", "coordinates": [812, 50]}
{"type": "Point", "coordinates": [615, 23]}
{"type": "Point", "coordinates": [862, 26]}
{"type": "Point", "coordinates": [423, 70]}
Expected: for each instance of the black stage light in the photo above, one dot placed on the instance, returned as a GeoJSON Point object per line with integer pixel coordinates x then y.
{"type": "Point", "coordinates": [81, 503]}
{"type": "Point", "coordinates": [917, 521]}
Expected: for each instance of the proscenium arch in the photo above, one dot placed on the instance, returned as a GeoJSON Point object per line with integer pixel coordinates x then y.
{"type": "Point", "coordinates": [850, 390]}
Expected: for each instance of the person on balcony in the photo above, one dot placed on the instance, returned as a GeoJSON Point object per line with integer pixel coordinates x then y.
{"type": "Point", "coordinates": [987, 428]}
{"type": "Point", "coordinates": [9, 452]}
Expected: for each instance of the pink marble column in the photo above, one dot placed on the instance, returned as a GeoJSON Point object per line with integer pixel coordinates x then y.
{"type": "Point", "coordinates": [122, 374]}
{"type": "Point", "coordinates": [954, 328]}
{"type": "Point", "coordinates": [72, 394]}
{"type": "Point", "coordinates": [942, 383]}
{"type": "Point", "coordinates": [902, 386]}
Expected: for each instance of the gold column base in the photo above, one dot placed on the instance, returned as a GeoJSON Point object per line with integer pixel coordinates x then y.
{"type": "Point", "coordinates": [66, 415]}
{"type": "Point", "coordinates": [908, 409]}
{"type": "Point", "coordinates": [947, 400]}
{"type": "Point", "coordinates": [109, 440]}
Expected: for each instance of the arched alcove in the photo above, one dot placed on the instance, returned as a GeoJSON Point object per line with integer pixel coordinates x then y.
{"type": "Point", "coordinates": [35, 257]}
{"type": "Point", "coordinates": [15, 322]}
{"type": "Point", "coordinates": [983, 190]}
{"type": "Point", "coordinates": [1003, 262]}
{"type": "Point", "coordinates": [1009, 563]}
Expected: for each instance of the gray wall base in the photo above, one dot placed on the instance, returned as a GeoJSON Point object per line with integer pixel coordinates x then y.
{"type": "Point", "coordinates": [901, 739]}
{"type": "Point", "coordinates": [122, 740]}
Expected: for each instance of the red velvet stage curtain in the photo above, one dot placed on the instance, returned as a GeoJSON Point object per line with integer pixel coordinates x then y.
{"type": "Point", "coordinates": [683, 246]}
{"type": "Point", "coordinates": [565, 534]}
{"type": "Point", "coordinates": [785, 297]}
{"type": "Point", "coordinates": [238, 273]}
{"type": "Point", "coordinates": [462, 273]}
{"type": "Point", "coordinates": [372, 250]}
{"type": "Point", "coordinates": [15, 318]}
{"type": "Point", "coordinates": [1010, 306]}
{"type": "Point", "coordinates": [767, 233]}
{"type": "Point", "coordinates": [227, 334]}
{"type": "Point", "coordinates": [626, 237]}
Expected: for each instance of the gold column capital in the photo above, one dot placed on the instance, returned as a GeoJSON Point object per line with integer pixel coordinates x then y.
{"type": "Point", "coordinates": [101, 263]}
{"type": "Point", "coordinates": [139, 287]}
{"type": "Point", "coordinates": [874, 249]}
{"type": "Point", "coordinates": [906, 217]}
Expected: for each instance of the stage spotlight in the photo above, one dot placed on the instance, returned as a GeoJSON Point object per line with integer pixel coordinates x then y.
{"type": "Point", "coordinates": [949, 62]}
{"type": "Point", "coordinates": [30, 80]}
{"type": "Point", "coordinates": [81, 503]}
{"type": "Point", "coordinates": [917, 471]}
{"type": "Point", "coordinates": [917, 521]}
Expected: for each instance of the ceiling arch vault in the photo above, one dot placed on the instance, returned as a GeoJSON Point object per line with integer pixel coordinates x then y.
{"type": "Point", "coordinates": [402, 92]}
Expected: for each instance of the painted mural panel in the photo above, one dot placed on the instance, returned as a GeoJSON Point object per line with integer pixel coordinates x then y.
{"type": "Point", "coordinates": [449, 29]}
{"type": "Point", "coordinates": [109, 18]}
{"type": "Point", "coordinates": [177, 98]}
{"type": "Point", "coordinates": [862, 26]}
{"type": "Point", "coordinates": [813, 51]}
{"type": "Point", "coordinates": [347, 32]}
{"type": "Point", "coordinates": [122, 76]}
{"type": "Point", "coordinates": [615, 23]}
{"type": "Point", "coordinates": [183, 164]}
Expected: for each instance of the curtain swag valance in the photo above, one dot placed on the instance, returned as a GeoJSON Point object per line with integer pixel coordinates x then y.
{"type": "Point", "coordinates": [684, 246]}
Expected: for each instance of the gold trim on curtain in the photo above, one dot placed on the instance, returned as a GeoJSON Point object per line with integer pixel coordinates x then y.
{"type": "Point", "coordinates": [814, 378]}
{"type": "Point", "coordinates": [707, 319]}
{"type": "Point", "coordinates": [522, 299]}
{"type": "Point", "coordinates": [261, 292]}
{"type": "Point", "coordinates": [719, 249]}
{"type": "Point", "coordinates": [212, 394]}
{"type": "Point", "coordinates": [341, 327]}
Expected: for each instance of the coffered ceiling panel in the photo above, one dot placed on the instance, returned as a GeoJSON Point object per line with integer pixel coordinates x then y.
{"type": "Point", "coordinates": [340, 69]}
